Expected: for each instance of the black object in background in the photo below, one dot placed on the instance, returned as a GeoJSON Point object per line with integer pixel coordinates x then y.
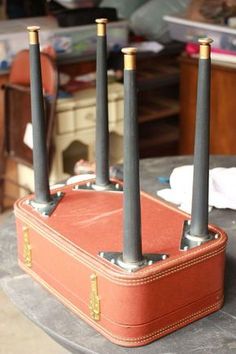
{"type": "Point", "coordinates": [25, 8]}
{"type": "Point", "coordinates": [84, 16]}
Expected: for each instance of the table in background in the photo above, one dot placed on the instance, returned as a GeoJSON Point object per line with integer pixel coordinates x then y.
{"type": "Point", "coordinates": [213, 334]}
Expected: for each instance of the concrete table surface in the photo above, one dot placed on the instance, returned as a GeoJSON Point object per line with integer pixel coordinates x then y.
{"type": "Point", "coordinates": [213, 334]}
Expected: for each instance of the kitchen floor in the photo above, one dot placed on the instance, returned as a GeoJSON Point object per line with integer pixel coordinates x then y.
{"type": "Point", "coordinates": [18, 334]}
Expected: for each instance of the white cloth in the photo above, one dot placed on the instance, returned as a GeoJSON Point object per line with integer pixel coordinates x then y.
{"type": "Point", "coordinates": [80, 178]}
{"type": "Point", "coordinates": [222, 188]}
{"type": "Point", "coordinates": [74, 179]}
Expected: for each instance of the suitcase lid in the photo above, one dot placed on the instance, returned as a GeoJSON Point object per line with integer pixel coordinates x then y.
{"type": "Point", "coordinates": [87, 222]}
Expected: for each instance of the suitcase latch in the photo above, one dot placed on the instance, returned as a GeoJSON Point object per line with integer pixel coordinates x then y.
{"type": "Point", "coordinates": [27, 250]}
{"type": "Point", "coordinates": [94, 302]}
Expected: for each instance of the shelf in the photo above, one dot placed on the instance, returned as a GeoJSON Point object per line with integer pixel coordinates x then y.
{"type": "Point", "coordinates": [158, 105]}
{"type": "Point", "coordinates": [150, 76]}
{"type": "Point", "coordinates": [159, 139]}
{"type": "Point", "coordinates": [153, 109]}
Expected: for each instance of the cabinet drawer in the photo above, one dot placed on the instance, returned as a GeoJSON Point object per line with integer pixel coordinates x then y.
{"type": "Point", "coordinates": [85, 117]}
{"type": "Point", "coordinates": [65, 122]}
{"type": "Point", "coordinates": [69, 121]}
{"type": "Point", "coordinates": [116, 110]}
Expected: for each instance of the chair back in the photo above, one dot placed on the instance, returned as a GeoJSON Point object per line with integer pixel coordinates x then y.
{"type": "Point", "coordinates": [17, 111]}
{"type": "Point", "coordinates": [20, 72]}
{"type": "Point", "coordinates": [18, 107]}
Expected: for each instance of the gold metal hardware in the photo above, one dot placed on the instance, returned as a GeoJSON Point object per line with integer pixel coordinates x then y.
{"type": "Point", "coordinates": [33, 34]}
{"type": "Point", "coordinates": [27, 250]}
{"type": "Point", "coordinates": [205, 48]}
{"type": "Point", "coordinates": [94, 301]}
{"type": "Point", "coordinates": [129, 58]}
{"type": "Point", "coordinates": [101, 26]}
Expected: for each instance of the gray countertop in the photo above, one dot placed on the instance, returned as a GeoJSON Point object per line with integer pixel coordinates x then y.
{"type": "Point", "coordinates": [213, 334]}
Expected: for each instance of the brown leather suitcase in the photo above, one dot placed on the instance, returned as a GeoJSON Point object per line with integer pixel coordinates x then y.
{"type": "Point", "coordinates": [131, 309]}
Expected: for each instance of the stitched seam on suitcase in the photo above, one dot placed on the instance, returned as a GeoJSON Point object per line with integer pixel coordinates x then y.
{"type": "Point", "coordinates": [142, 339]}
{"type": "Point", "coordinates": [174, 269]}
{"type": "Point", "coordinates": [23, 218]}
{"type": "Point", "coordinates": [171, 327]}
{"type": "Point", "coordinates": [150, 278]}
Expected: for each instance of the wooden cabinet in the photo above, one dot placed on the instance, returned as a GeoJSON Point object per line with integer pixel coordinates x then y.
{"type": "Point", "coordinates": [158, 97]}
{"type": "Point", "coordinates": [223, 106]}
{"type": "Point", "coordinates": [158, 103]}
{"type": "Point", "coordinates": [10, 189]}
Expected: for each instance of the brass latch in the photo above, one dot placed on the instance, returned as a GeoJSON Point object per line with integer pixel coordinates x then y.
{"type": "Point", "coordinates": [27, 251]}
{"type": "Point", "coordinates": [94, 301]}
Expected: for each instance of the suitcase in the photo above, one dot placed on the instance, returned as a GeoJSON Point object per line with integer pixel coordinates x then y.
{"type": "Point", "coordinates": [131, 266]}
{"type": "Point", "coordinates": [129, 308]}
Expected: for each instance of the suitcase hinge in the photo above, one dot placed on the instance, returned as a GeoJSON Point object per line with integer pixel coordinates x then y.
{"type": "Point", "coordinates": [27, 251]}
{"type": "Point", "coordinates": [94, 302]}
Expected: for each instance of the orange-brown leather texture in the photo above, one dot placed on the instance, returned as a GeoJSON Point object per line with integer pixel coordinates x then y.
{"type": "Point", "coordinates": [20, 72]}
{"type": "Point", "coordinates": [136, 308]}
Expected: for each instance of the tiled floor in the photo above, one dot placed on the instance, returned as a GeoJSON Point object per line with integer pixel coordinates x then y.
{"type": "Point", "coordinates": [18, 334]}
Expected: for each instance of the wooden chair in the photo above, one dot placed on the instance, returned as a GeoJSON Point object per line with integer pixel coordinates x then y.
{"type": "Point", "coordinates": [17, 113]}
